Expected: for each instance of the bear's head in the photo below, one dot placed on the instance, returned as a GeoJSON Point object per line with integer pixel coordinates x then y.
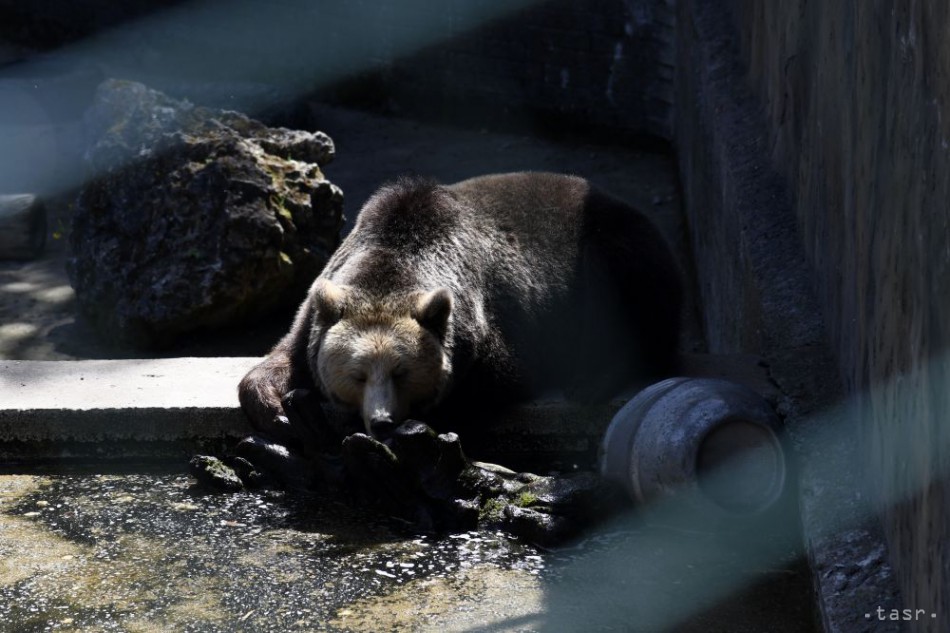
{"type": "Point", "coordinates": [385, 358]}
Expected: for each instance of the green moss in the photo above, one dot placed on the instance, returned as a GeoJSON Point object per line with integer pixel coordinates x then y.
{"type": "Point", "coordinates": [493, 509]}
{"type": "Point", "coordinates": [62, 230]}
{"type": "Point", "coordinates": [279, 203]}
{"type": "Point", "coordinates": [526, 499]}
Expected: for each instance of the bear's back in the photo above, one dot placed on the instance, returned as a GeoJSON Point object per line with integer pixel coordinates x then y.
{"type": "Point", "coordinates": [534, 221]}
{"type": "Point", "coordinates": [518, 230]}
{"type": "Point", "coordinates": [527, 205]}
{"type": "Point", "coordinates": [413, 214]}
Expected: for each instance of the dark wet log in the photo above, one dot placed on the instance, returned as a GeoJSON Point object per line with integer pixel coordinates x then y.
{"type": "Point", "coordinates": [22, 226]}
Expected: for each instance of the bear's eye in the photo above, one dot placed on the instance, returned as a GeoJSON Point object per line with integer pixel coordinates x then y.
{"type": "Point", "coordinates": [358, 377]}
{"type": "Point", "coordinates": [399, 372]}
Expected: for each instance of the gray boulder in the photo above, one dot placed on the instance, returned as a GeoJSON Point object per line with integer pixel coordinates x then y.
{"type": "Point", "coordinates": [194, 218]}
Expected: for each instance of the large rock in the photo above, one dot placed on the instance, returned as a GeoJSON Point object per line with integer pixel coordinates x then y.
{"type": "Point", "coordinates": [195, 218]}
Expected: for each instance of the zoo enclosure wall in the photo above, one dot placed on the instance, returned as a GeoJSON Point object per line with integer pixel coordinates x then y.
{"type": "Point", "coordinates": [603, 64]}
{"type": "Point", "coordinates": [596, 64]}
{"type": "Point", "coordinates": [856, 97]}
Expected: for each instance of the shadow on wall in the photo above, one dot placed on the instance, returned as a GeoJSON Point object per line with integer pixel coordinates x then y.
{"type": "Point", "coordinates": [553, 67]}
{"type": "Point", "coordinates": [856, 102]}
{"type": "Point", "coordinates": [607, 64]}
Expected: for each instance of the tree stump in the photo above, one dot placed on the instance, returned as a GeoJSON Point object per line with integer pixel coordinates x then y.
{"type": "Point", "coordinates": [22, 226]}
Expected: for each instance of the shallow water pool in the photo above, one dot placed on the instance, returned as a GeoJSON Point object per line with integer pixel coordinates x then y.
{"type": "Point", "coordinates": [147, 550]}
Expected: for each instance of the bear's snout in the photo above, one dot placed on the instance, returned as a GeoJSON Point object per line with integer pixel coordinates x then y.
{"type": "Point", "coordinates": [382, 426]}
{"type": "Point", "coordinates": [382, 412]}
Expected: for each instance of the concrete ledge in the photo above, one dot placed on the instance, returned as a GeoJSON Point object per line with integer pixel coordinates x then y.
{"type": "Point", "coordinates": [133, 408]}
{"type": "Point", "coordinates": [143, 400]}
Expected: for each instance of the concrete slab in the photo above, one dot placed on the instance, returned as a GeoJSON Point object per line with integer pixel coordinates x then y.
{"type": "Point", "coordinates": [145, 400]}
{"type": "Point", "coordinates": [194, 399]}
{"type": "Point", "coordinates": [169, 383]}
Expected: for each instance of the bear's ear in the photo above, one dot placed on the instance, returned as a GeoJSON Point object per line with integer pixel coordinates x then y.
{"type": "Point", "coordinates": [432, 310]}
{"type": "Point", "coordinates": [329, 300]}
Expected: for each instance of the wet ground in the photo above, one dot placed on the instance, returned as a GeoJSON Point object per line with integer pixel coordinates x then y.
{"type": "Point", "coordinates": [135, 551]}
{"type": "Point", "coordinates": [146, 550]}
{"type": "Point", "coordinates": [112, 549]}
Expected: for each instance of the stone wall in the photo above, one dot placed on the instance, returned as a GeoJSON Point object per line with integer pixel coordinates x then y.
{"type": "Point", "coordinates": [594, 64]}
{"type": "Point", "coordinates": [528, 65]}
{"type": "Point", "coordinates": [857, 100]}
{"type": "Point", "coordinates": [603, 63]}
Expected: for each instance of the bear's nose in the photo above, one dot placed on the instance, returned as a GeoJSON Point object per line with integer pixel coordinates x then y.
{"type": "Point", "coordinates": [381, 426]}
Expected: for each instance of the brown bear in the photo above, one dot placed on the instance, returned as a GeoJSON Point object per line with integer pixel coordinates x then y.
{"type": "Point", "coordinates": [447, 299]}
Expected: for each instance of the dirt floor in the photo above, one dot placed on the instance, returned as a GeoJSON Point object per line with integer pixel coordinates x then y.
{"type": "Point", "coordinates": [37, 318]}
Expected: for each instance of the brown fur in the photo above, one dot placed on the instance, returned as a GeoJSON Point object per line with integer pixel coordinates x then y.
{"type": "Point", "coordinates": [379, 360]}
{"type": "Point", "coordinates": [484, 292]}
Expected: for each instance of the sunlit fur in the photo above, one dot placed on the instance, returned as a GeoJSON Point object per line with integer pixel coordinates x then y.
{"type": "Point", "coordinates": [379, 361]}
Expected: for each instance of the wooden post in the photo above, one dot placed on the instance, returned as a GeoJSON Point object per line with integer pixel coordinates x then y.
{"type": "Point", "coordinates": [22, 226]}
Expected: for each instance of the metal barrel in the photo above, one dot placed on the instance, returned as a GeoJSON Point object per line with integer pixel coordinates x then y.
{"type": "Point", "coordinates": [713, 439]}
